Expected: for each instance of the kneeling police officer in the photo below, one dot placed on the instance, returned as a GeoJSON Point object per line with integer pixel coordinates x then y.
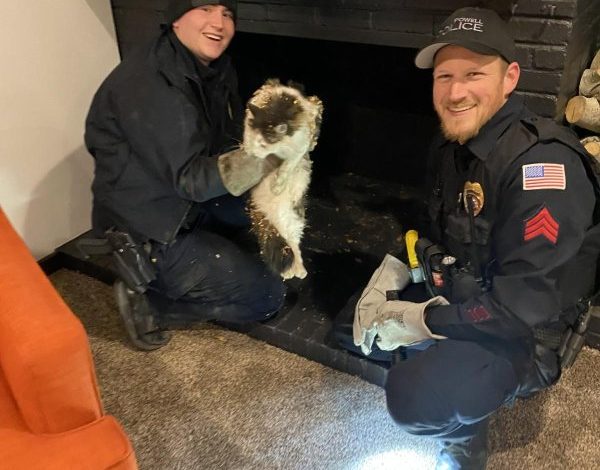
{"type": "Point", "coordinates": [163, 128]}
{"type": "Point", "coordinates": [513, 211]}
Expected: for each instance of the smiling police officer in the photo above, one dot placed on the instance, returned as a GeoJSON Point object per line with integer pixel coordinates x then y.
{"type": "Point", "coordinates": [512, 206]}
{"type": "Point", "coordinates": [163, 130]}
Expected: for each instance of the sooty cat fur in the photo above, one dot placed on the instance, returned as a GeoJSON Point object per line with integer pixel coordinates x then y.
{"type": "Point", "coordinates": [281, 121]}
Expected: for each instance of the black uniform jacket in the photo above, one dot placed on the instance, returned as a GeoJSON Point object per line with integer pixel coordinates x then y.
{"type": "Point", "coordinates": [155, 128]}
{"type": "Point", "coordinates": [537, 211]}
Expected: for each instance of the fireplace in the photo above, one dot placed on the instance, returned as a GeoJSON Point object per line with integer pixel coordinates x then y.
{"type": "Point", "coordinates": [369, 165]}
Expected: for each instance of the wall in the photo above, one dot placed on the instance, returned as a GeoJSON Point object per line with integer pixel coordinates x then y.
{"type": "Point", "coordinates": [54, 55]}
{"type": "Point", "coordinates": [543, 30]}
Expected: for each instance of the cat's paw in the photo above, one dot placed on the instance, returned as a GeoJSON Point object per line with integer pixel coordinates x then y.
{"type": "Point", "coordinates": [299, 270]}
{"type": "Point", "coordinates": [287, 274]}
{"type": "Point", "coordinates": [301, 273]}
{"type": "Point", "coordinates": [295, 271]}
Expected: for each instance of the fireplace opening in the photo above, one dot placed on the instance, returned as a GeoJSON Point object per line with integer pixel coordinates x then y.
{"type": "Point", "coordinates": [378, 115]}
{"type": "Point", "coordinates": [369, 165]}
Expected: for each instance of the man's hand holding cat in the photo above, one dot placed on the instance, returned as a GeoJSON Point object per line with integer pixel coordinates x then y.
{"type": "Point", "coordinates": [240, 171]}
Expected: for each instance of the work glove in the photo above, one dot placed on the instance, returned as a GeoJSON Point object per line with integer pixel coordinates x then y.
{"type": "Point", "coordinates": [401, 323]}
{"type": "Point", "coordinates": [240, 171]}
{"type": "Point", "coordinates": [392, 274]}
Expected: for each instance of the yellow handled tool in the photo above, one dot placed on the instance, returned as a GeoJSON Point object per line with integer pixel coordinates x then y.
{"type": "Point", "coordinates": [416, 273]}
{"type": "Point", "coordinates": [410, 239]}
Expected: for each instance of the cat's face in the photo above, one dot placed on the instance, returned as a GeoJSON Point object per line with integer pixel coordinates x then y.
{"type": "Point", "coordinates": [276, 118]}
{"type": "Point", "coordinates": [279, 120]}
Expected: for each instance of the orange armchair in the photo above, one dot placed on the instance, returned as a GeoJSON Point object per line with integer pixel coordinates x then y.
{"type": "Point", "coordinates": [51, 416]}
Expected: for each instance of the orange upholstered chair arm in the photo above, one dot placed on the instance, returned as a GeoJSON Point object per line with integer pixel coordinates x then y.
{"type": "Point", "coordinates": [100, 445]}
{"type": "Point", "coordinates": [44, 351]}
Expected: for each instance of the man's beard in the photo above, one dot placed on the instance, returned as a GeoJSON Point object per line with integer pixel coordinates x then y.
{"type": "Point", "coordinates": [460, 136]}
{"type": "Point", "coordinates": [455, 131]}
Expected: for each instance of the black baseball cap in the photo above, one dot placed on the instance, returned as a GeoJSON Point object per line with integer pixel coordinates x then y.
{"type": "Point", "coordinates": [477, 29]}
{"type": "Point", "coordinates": [177, 8]}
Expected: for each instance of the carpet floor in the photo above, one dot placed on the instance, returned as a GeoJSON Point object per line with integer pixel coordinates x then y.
{"type": "Point", "coordinates": [216, 399]}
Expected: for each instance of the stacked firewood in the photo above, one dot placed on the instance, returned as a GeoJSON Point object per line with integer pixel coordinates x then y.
{"type": "Point", "coordinates": [584, 110]}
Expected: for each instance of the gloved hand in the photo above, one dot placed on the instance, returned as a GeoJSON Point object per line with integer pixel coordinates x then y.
{"type": "Point", "coordinates": [392, 274]}
{"type": "Point", "coordinates": [401, 323]}
{"type": "Point", "coordinates": [240, 171]}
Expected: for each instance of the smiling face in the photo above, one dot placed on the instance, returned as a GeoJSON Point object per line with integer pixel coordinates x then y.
{"type": "Point", "coordinates": [468, 89]}
{"type": "Point", "coordinates": [206, 31]}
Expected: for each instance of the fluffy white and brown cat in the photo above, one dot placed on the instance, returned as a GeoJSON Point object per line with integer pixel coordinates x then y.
{"type": "Point", "coordinates": [281, 121]}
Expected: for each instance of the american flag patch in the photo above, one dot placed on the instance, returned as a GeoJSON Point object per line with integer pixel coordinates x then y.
{"type": "Point", "coordinates": [544, 176]}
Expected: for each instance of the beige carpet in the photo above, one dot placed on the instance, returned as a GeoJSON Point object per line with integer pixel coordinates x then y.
{"type": "Point", "coordinates": [215, 399]}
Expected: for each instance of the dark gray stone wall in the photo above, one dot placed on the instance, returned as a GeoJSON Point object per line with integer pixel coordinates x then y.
{"type": "Point", "coordinates": [543, 30]}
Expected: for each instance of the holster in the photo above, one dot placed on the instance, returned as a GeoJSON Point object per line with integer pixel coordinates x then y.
{"type": "Point", "coordinates": [455, 283]}
{"type": "Point", "coordinates": [132, 261]}
{"type": "Point", "coordinates": [430, 257]}
{"type": "Point", "coordinates": [567, 342]}
{"type": "Point", "coordinates": [574, 338]}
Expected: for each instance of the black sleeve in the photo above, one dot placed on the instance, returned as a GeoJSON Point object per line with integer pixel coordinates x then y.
{"type": "Point", "coordinates": [201, 173]}
{"type": "Point", "coordinates": [537, 232]}
{"type": "Point", "coordinates": [169, 134]}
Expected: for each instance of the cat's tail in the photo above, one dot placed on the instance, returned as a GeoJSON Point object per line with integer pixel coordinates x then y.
{"type": "Point", "coordinates": [274, 250]}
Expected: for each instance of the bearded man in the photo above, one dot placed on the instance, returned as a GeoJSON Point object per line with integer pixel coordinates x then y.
{"type": "Point", "coordinates": [512, 203]}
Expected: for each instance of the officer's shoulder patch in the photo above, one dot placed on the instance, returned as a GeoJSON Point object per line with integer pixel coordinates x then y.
{"type": "Point", "coordinates": [541, 224]}
{"type": "Point", "coordinates": [544, 176]}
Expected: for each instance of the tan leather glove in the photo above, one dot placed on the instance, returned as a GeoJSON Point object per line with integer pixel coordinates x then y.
{"type": "Point", "coordinates": [392, 274]}
{"type": "Point", "coordinates": [400, 323]}
{"type": "Point", "coordinates": [240, 171]}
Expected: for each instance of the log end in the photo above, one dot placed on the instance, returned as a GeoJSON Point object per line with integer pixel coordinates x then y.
{"type": "Point", "coordinates": [575, 109]}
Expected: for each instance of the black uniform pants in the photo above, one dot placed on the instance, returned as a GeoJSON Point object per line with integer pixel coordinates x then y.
{"type": "Point", "coordinates": [205, 275]}
{"type": "Point", "coordinates": [446, 389]}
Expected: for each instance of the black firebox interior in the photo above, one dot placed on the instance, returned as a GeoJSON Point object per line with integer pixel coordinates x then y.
{"type": "Point", "coordinates": [378, 118]}
{"type": "Point", "coordinates": [369, 164]}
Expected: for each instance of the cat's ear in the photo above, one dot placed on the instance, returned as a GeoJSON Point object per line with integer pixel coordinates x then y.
{"type": "Point", "coordinates": [296, 86]}
{"type": "Point", "coordinates": [318, 106]}
{"type": "Point", "coordinates": [317, 120]}
{"type": "Point", "coordinates": [253, 110]}
{"type": "Point", "coordinates": [272, 82]}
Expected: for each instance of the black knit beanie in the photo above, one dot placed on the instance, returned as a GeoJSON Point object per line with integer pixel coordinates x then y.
{"type": "Point", "coordinates": [176, 8]}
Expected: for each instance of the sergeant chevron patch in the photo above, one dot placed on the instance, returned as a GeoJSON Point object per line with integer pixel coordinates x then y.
{"type": "Point", "coordinates": [542, 224]}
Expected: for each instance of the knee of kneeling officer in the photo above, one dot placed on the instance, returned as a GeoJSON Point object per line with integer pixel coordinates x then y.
{"type": "Point", "coordinates": [407, 403]}
{"type": "Point", "coordinates": [402, 415]}
{"type": "Point", "coordinates": [270, 300]}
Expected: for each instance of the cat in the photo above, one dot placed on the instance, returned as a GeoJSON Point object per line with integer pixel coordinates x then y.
{"type": "Point", "coordinates": [281, 121]}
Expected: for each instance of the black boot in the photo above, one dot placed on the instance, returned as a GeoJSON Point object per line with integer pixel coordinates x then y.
{"type": "Point", "coordinates": [470, 454]}
{"type": "Point", "coordinates": [139, 319]}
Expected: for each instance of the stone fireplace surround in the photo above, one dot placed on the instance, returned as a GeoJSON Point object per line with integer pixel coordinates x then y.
{"type": "Point", "coordinates": [555, 39]}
